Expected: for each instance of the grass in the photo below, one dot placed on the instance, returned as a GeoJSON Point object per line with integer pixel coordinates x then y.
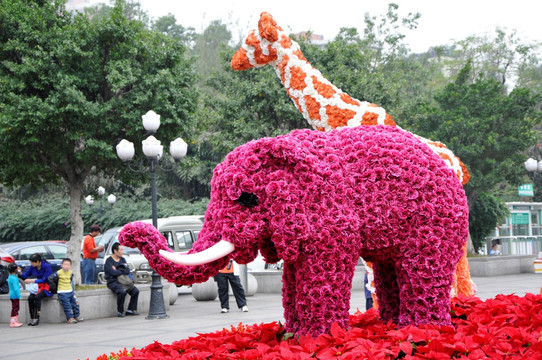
{"type": "Point", "coordinates": [90, 287]}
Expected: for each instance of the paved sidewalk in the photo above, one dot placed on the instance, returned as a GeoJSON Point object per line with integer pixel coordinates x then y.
{"type": "Point", "coordinates": [188, 317]}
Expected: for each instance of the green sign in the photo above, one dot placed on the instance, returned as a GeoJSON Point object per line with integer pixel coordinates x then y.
{"type": "Point", "coordinates": [520, 218]}
{"type": "Point", "coordinates": [525, 190]}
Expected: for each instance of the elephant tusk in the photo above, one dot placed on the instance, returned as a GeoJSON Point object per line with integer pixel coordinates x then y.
{"type": "Point", "coordinates": [215, 252]}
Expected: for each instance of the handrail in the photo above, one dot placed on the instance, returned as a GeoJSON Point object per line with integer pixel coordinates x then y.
{"type": "Point", "coordinates": [516, 245]}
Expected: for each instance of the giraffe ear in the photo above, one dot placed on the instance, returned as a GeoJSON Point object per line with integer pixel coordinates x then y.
{"type": "Point", "coordinates": [268, 28]}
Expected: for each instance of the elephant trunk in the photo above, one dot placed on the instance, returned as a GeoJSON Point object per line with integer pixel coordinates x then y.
{"type": "Point", "coordinates": [150, 242]}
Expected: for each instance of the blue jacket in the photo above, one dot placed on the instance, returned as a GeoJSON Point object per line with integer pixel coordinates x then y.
{"type": "Point", "coordinates": [14, 287]}
{"type": "Point", "coordinates": [41, 276]}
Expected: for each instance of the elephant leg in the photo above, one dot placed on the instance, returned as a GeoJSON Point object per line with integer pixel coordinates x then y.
{"type": "Point", "coordinates": [288, 297]}
{"type": "Point", "coordinates": [425, 286]}
{"type": "Point", "coordinates": [387, 291]}
{"type": "Point", "coordinates": [322, 293]}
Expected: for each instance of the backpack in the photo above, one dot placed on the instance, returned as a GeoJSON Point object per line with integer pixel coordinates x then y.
{"type": "Point", "coordinates": [52, 280]}
{"type": "Point", "coordinates": [4, 275]}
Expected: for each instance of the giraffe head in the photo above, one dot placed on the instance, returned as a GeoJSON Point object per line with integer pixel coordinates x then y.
{"type": "Point", "coordinates": [260, 46]}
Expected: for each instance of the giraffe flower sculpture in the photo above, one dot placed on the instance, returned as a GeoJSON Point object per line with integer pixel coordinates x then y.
{"type": "Point", "coordinates": [326, 107]}
{"type": "Point", "coordinates": [321, 103]}
{"type": "Point", "coordinates": [319, 201]}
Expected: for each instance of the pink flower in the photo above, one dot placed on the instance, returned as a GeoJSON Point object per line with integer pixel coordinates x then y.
{"type": "Point", "coordinates": [324, 199]}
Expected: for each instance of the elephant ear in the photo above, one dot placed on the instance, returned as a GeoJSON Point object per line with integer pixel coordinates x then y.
{"type": "Point", "coordinates": [278, 165]}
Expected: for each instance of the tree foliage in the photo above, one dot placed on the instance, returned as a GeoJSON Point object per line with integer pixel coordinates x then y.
{"type": "Point", "coordinates": [486, 212]}
{"type": "Point", "coordinates": [167, 25]}
{"type": "Point", "coordinates": [71, 87]}
{"type": "Point", "coordinates": [48, 217]}
{"type": "Point", "coordinates": [487, 128]}
{"type": "Point", "coordinates": [503, 57]}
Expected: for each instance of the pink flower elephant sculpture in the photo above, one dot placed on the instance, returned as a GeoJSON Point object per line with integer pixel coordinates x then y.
{"type": "Point", "coordinates": [320, 201]}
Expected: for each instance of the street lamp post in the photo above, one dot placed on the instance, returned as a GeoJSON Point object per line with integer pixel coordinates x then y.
{"type": "Point", "coordinates": [153, 151]}
{"type": "Point", "coordinates": [534, 167]}
{"type": "Point", "coordinates": [111, 199]}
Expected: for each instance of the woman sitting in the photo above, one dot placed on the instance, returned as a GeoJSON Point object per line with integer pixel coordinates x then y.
{"type": "Point", "coordinates": [114, 267]}
{"type": "Point", "coordinates": [37, 273]}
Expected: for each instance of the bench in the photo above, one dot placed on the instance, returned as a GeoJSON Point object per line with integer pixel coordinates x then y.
{"type": "Point", "coordinates": [93, 303]}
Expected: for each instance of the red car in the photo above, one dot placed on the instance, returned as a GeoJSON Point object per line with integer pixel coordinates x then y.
{"type": "Point", "coordinates": [5, 258]}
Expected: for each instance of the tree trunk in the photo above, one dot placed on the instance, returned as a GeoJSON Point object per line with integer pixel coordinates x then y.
{"type": "Point", "coordinates": [470, 246]}
{"type": "Point", "coordinates": [76, 220]}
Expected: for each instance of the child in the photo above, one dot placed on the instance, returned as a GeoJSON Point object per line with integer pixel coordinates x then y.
{"type": "Point", "coordinates": [14, 294]}
{"type": "Point", "coordinates": [66, 292]}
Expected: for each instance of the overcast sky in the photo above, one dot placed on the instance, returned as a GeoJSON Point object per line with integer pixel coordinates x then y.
{"type": "Point", "coordinates": [441, 21]}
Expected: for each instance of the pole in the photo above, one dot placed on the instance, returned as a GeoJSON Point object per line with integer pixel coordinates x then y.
{"type": "Point", "coordinates": [153, 193]}
{"type": "Point", "coordinates": [101, 210]}
{"type": "Point", "coordinates": [157, 309]}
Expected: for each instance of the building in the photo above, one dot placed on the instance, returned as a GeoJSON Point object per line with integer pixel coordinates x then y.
{"type": "Point", "coordinates": [523, 220]}
{"type": "Point", "coordinates": [314, 39]}
{"type": "Point", "coordinates": [521, 232]}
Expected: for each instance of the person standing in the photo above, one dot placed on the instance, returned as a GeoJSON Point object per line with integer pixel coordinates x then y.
{"type": "Point", "coordinates": [114, 266]}
{"type": "Point", "coordinates": [37, 273]}
{"type": "Point", "coordinates": [368, 295]}
{"type": "Point", "coordinates": [66, 292]}
{"type": "Point", "coordinates": [230, 273]}
{"type": "Point", "coordinates": [90, 253]}
{"type": "Point", "coordinates": [14, 294]}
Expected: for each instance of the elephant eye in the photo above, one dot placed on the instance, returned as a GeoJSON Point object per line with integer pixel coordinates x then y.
{"type": "Point", "coordinates": [248, 200]}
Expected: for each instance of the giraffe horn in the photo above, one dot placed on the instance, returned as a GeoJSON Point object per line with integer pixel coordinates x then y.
{"type": "Point", "coordinates": [267, 27]}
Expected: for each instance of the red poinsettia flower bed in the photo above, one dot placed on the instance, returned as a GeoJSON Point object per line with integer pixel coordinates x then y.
{"type": "Point", "coordinates": [505, 327]}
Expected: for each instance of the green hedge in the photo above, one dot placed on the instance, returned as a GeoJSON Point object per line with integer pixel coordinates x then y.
{"type": "Point", "coordinates": [49, 219]}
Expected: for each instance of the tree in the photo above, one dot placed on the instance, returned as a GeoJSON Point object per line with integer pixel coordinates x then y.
{"type": "Point", "coordinates": [503, 57]}
{"type": "Point", "coordinates": [485, 127]}
{"type": "Point", "coordinates": [167, 25]}
{"type": "Point", "coordinates": [207, 48]}
{"type": "Point", "coordinates": [131, 9]}
{"type": "Point", "coordinates": [376, 66]}
{"type": "Point", "coordinates": [486, 212]}
{"type": "Point", "coordinates": [72, 87]}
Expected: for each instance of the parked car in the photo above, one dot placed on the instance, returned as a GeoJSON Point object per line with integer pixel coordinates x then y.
{"type": "Point", "coordinates": [5, 260]}
{"type": "Point", "coordinates": [52, 251]}
{"type": "Point", "coordinates": [259, 264]}
{"type": "Point", "coordinates": [133, 257]}
{"type": "Point", "coordinates": [181, 231]}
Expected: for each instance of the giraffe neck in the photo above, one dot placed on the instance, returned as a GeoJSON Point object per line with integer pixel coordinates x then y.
{"type": "Point", "coordinates": [322, 104]}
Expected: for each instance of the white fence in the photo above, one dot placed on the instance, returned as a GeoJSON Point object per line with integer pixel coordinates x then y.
{"type": "Point", "coordinates": [516, 245]}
